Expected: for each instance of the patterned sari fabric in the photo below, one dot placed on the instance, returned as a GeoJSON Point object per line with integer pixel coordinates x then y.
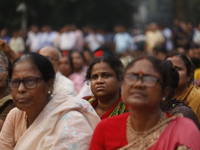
{"type": "Point", "coordinates": [156, 136]}
{"type": "Point", "coordinates": [118, 108]}
{"type": "Point", "coordinates": [149, 138]}
{"type": "Point", "coordinates": [65, 123]}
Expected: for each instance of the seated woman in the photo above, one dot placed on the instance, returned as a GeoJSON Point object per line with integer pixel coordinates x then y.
{"type": "Point", "coordinates": [186, 91]}
{"type": "Point", "coordinates": [79, 70]}
{"type": "Point", "coordinates": [105, 75]}
{"type": "Point", "coordinates": [40, 122]}
{"type": "Point", "coordinates": [65, 67]}
{"type": "Point", "coordinates": [6, 103]}
{"type": "Point", "coordinates": [145, 126]}
{"type": "Point", "coordinates": [175, 105]}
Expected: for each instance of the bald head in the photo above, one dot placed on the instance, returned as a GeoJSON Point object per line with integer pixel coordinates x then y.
{"type": "Point", "coordinates": [53, 54]}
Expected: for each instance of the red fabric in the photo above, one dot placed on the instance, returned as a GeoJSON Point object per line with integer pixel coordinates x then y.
{"type": "Point", "coordinates": [64, 53]}
{"type": "Point", "coordinates": [110, 134]}
{"type": "Point", "coordinates": [106, 115]}
{"type": "Point", "coordinates": [98, 53]}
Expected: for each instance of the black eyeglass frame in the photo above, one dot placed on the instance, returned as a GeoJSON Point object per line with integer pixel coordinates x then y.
{"type": "Point", "coordinates": [24, 81]}
{"type": "Point", "coordinates": [141, 77]}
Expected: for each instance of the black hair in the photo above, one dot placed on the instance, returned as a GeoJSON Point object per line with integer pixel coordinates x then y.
{"type": "Point", "coordinates": [103, 51]}
{"type": "Point", "coordinates": [188, 64]}
{"type": "Point", "coordinates": [42, 64]}
{"type": "Point", "coordinates": [75, 51]}
{"type": "Point", "coordinates": [114, 63]}
{"type": "Point", "coordinates": [173, 84]}
{"type": "Point", "coordinates": [196, 62]}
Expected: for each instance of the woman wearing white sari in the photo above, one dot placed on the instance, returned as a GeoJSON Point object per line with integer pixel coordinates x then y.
{"type": "Point", "coordinates": [40, 122]}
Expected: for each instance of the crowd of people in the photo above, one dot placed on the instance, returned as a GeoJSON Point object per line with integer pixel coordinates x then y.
{"type": "Point", "coordinates": [92, 89]}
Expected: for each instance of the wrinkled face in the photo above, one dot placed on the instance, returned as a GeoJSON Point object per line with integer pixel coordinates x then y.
{"type": "Point", "coordinates": [65, 67]}
{"type": "Point", "coordinates": [182, 70]}
{"type": "Point", "coordinates": [77, 61]}
{"type": "Point", "coordinates": [139, 95]}
{"type": "Point", "coordinates": [104, 80]}
{"type": "Point", "coordinates": [29, 99]}
{"type": "Point", "coordinates": [3, 73]}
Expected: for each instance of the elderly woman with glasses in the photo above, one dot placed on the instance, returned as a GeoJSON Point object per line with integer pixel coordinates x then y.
{"type": "Point", "coordinates": [146, 126]}
{"type": "Point", "coordinates": [42, 122]}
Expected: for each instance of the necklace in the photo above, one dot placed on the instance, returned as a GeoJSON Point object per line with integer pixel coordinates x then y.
{"type": "Point", "coordinates": [27, 122]}
{"type": "Point", "coordinates": [130, 128]}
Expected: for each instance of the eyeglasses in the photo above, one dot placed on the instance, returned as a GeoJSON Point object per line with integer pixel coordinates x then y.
{"type": "Point", "coordinates": [147, 80]}
{"type": "Point", "coordinates": [29, 83]}
{"type": "Point", "coordinates": [3, 69]}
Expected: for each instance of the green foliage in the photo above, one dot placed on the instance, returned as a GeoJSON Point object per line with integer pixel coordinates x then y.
{"type": "Point", "coordinates": [57, 13]}
{"type": "Point", "coordinates": [194, 11]}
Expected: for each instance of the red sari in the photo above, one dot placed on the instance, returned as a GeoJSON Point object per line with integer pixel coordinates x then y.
{"type": "Point", "coordinates": [111, 134]}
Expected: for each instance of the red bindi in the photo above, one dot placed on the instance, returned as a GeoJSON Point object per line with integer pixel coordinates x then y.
{"type": "Point", "coordinates": [144, 57]}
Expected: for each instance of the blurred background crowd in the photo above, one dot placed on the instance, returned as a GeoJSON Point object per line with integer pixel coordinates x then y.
{"type": "Point", "coordinates": [123, 28]}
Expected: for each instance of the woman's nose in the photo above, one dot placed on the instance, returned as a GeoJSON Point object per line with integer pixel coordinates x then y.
{"type": "Point", "coordinates": [100, 80]}
{"type": "Point", "coordinates": [21, 87]}
{"type": "Point", "coordinates": [139, 82]}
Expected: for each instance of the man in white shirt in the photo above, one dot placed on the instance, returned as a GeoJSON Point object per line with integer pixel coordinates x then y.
{"type": "Point", "coordinates": [34, 39]}
{"type": "Point", "coordinates": [62, 84]}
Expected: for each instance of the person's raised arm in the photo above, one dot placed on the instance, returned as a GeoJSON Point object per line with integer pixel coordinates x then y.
{"type": "Point", "coordinates": [7, 50]}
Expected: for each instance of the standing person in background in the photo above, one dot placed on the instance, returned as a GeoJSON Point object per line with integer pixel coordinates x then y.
{"type": "Point", "coordinates": [79, 38]}
{"type": "Point", "coordinates": [4, 35]}
{"type": "Point", "coordinates": [62, 83]}
{"type": "Point", "coordinates": [122, 40]}
{"type": "Point", "coordinates": [167, 33]}
{"type": "Point", "coordinates": [186, 91]}
{"type": "Point", "coordinates": [105, 75]}
{"type": "Point", "coordinates": [154, 37]}
{"type": "Point", "coordinates": [67, 40]}
{"type": "Point", "coordinates": [17, 43]}
{"type": "Point", "coordinates": [33, 41]}
{"type": "Point", "coordinates": [145, 126]}
{"type": "Point", "coordinates": [42, 122]}
{"type": "Point", "coordinates": [6, 103]}
{"type": "Point", "coordinates": [196, 36]}
{"type": "Point", "coordinates": [94, 39]}
{"type": "Point", "coordinates": [47, 36]}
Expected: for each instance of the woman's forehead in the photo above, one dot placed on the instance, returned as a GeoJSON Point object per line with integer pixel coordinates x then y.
{"type": "Point", "coordinates": [176, 61]}
{"type": "Point", "coordinates": [143, 66]}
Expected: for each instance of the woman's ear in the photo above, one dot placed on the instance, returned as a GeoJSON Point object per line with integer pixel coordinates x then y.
{"type": "Point", "coordinates": [166, 92]}
{"type": "Point", "coordinates": [190, 77]}
{"type": "Point", "coordinates": [50, 84]}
